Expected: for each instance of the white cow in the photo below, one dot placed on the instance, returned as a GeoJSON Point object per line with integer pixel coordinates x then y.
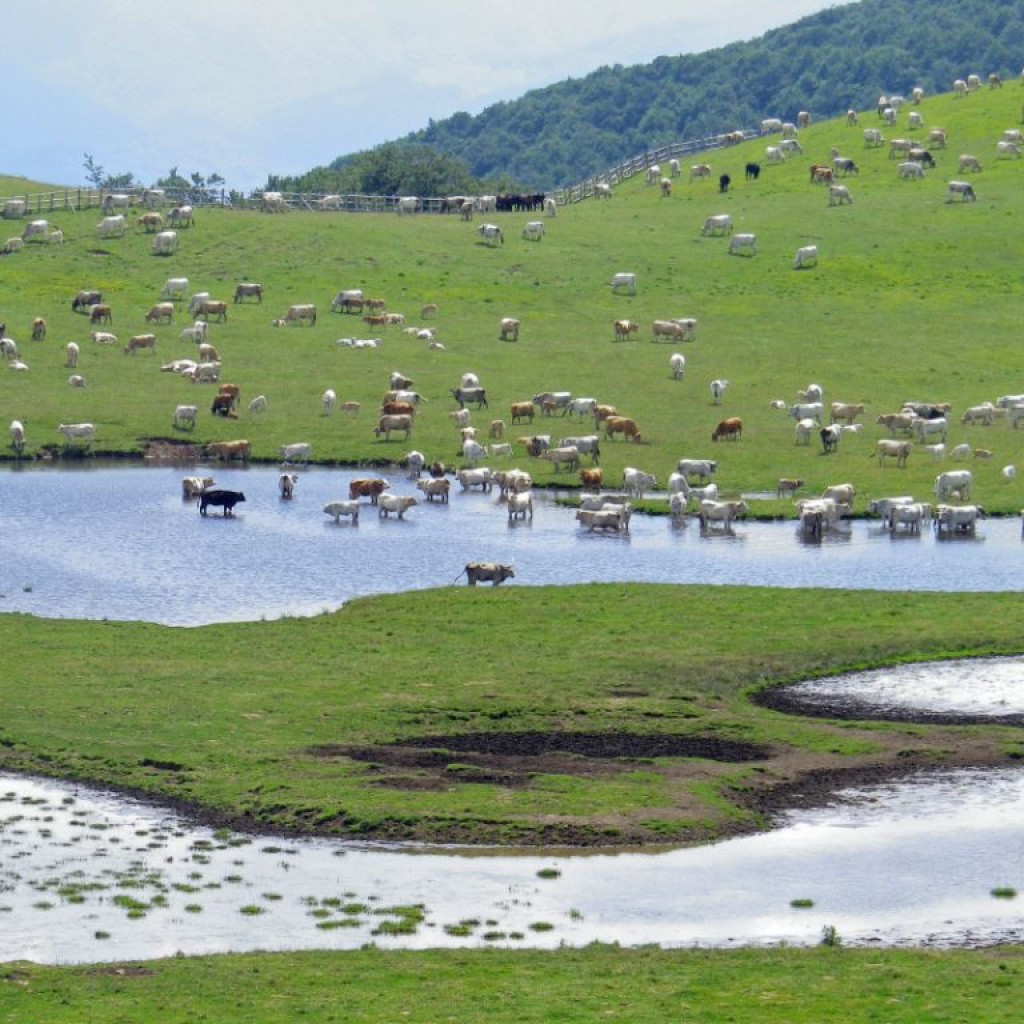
{"type": "Point", "coordinates": [533, 231]}
{"type": "Point", "coordinates": [407, 204]}
{"type": "Point", "coordinates": [677, 364]}
{"type": "Point", "coordinates": [954, 483]}
{"type": "Point", "coordinates": [910, 516]}
{"type": "Point", "coordinates": [743, 243]}
{"type": "Point", "coordinates": [337, 509]}
{"type": "Point", "coordinates": [719, 224]}
{"type": "Point", "coordinates": [300, 451]}
{"type": "Point", "coordinates": [185, 416]}
{"type": "Point", "coordinates": [72, 351]}
{"type": "Point", "coordinates": [397, 503]}
{"type": "Point", "coordinates": [624, 281]}
{"type": "Point", "coordinates": [839, 194]}
{"type": "Point", "coordinates": [962, 190]}
{"type": "Point", "coordinates": [491, 234]}
{"type": "Point", "coordinates": [165, 243]}
{"type": "Point", "coordinates": [806, 256]}
{"type": "Point", "coordinates": [724, 512]}
{"type": "Point", "coordinates": [700, 468]}
{"type": "Point", "coordinates": [83, 432]}
{"type": "Point", "coordinates": [111, 227]}
{"type": "Point", "coordinates": [957, 518]}
{"type": "Point", "coordinates": [174, 288]}
{"type": "Point", "coordinates": [635, 481]}
{"type": "Point", "coordinates": [718, 386]}
{"type": "Point", "coordinates": [181, 216]}
{"type": "Point", "coordinates": [196, 333]}
{"type": "Point", "coordinates": [520, 505]}
{"type": "Point", "coordinates": [115, 201]}
{"type": "Point", "coordinates": [480, 476]}
{"type": "Point", "coordinates": [17, 435]}
{"type": "Point", "coordinates": [328, 400]}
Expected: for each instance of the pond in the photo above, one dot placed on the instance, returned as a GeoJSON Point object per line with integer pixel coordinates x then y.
{"type": "Point", "coordinates": [89, 877]}
{"type": "Point", "coordinates": [120, 543]}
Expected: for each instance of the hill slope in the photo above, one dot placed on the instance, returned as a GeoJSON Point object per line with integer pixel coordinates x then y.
{"type": "Point", "coordinates": [826, 63]}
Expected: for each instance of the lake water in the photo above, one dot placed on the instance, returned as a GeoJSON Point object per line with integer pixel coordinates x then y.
{"type": "Point", "coordinates": [120, 543]}
{"type": "Point", "coordinates": [88, 877]}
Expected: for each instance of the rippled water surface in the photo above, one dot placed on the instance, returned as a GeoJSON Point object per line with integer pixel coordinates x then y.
{"type": "Point", "coordinates": [89, 877]}
{"type": "Point", "coordinates": [120, 543]}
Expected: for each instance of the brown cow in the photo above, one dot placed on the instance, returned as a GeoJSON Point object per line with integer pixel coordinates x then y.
{"type": "Point", "coordinates": [602, 412]}
{"type": "Point", "coordinates": [622, 425]}
{"type": "Point", "coordinates": [592, 479]}
{"type": "Point", "coordinates": [397, 409]}
{"type": "Point", "coordinates": [732, 427]}
{"type": "Point", "coordinates": [100, 313]}
{"type": "Point", "coordinates": [212, 307]}
{"type": "Point", "coordinates": [228, 450]}
{"type": "Point", "coordinates": [141, 341]}
{"type": "Point", "coordinates": [367, 487]}
{"type": "Point", "coordinates": [522, 411]}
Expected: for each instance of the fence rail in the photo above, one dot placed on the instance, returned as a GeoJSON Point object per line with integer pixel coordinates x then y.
{"type": "Point", "coordinates": [74, 200]}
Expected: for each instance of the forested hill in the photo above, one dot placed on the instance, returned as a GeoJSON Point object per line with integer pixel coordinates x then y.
{"type": "Point", "coordinates": [826, 63]}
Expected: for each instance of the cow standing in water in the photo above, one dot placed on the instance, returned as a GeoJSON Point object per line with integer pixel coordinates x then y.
{"type": "Point", "coordinates": [225, 499]}
{"type": "Point", "coordinates": [481, 572]}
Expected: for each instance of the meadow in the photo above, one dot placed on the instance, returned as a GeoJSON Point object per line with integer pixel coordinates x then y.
{"type": "Point", "coordinates": [914, 298]}
{"type": "Point", "coordinates": [260, 724]}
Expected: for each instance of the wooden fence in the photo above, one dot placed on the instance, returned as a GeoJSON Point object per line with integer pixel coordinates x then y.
{"type": "Point", "coordinates": [78, 199]}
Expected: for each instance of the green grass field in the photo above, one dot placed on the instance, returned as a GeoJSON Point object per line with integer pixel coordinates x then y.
{"type": "Point", "coordinates": [914, 298]}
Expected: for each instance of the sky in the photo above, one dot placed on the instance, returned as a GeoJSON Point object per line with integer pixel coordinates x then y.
{"type": "Point", "coordinates": [246, 90]}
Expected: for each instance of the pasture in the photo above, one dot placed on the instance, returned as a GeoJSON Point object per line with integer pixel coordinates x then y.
{"type": "Point", "coordinates": [913, 298]}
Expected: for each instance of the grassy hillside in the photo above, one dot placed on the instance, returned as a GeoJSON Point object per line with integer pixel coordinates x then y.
{"type": "Point", "coordinates": [914, 298]}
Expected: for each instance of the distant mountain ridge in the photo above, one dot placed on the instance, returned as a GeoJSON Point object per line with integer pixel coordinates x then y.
{"type": "Point", "coordinates": [825, 63]}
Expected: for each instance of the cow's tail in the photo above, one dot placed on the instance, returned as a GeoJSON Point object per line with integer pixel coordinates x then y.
{"type": "Point", "coordinates": [457, 578]}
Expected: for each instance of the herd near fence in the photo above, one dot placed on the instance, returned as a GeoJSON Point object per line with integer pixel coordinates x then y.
{"type": "Point", "coordinates": [79, 199]}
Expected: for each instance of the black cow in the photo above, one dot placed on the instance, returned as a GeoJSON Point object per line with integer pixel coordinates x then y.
{"type": "Point", "coordinates": [225, 499]}
{"type": "Point", "coordinates": [84, 299]}
{"type": "Point", "coordinates": [723, 183]}
{"type": "Point", "coordinates": [752, 171]}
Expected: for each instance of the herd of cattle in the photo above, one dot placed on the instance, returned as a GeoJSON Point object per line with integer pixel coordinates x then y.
{"type": "Point", "coordinates": [692, 488]}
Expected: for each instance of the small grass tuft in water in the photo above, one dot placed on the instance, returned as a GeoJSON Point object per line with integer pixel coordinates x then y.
{"type": "Point", "coordinates": [549, 873]}
{"type": "Point", "coordinates": [801, 903]}
{"type": "Point", "coordinates": [1004, 892]}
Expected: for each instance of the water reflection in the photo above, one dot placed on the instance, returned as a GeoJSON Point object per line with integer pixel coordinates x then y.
{"type": "Point", "coordinates": [120, 543]}
{"type": "Point", "coordinates": [88, 877]}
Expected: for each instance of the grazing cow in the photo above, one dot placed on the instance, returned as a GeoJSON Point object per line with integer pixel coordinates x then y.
{"type": "Point", "coordinates": [886, 448]}
{"type": "Point", "coordinates": [484, 572]}
{"type": "Point", "coordinates": [101, 313]}
{"type": "Point", "coordinates": [667, 329]}
{"type": "Point", "coordinates": [508, 329]}
{"type": "Point", "coordinates": [910, 516]}
{"type": "Point", "coordinates": [533, 231]}
{"type": "Point", "coordinates": [806, 256]}
{"type": "Point", "coordinates": [115, 201]}
{"type": "Point", "coordinates": [185, 416]}
{"type": "Point", "coordinates": [305, 311]}
{"type": "Point", "coordinates": [954, 483]}
{"type": "Point", "coordinates": [348, 300]}
{"type": "Point", "coordinates": [397, 503]}
{"type": "Point", "coordinates": [149, 222]}
{"type": "Point", "coordinates": [984, 414]}
{"type": "Point", "coordinates": [774, 155]}
{"type": "Point", "coordinates": [286, 485]}
{"type": "Point", "coordinates": [564, 456]}
{"type": "Point", "coordinates": [74, 432]}
{"type": "Point", "coordinates": [788, 486]}
{"type": "Point", "coordinates": [724, 512]}
{"type": "Point", "coordinates": [844, 165]}
{"type": "Point", "coordinates": [218, 497]}
{"type": "Point", "coordinates": [435, 487]}
{"type": "Point", "coordinates": [193, 486]}
{"type": "Point", "coordinates": [873, 138]}
{"type": "Point", "coordinates": [830, 437]}
{"type": "Point", "coordinates": [181, 216]}
{"type": "Point", "coordinates": [72, 354]}
{"type": "Point", "coordinates": [728, 428]}
{"type": "Point", "coordinates": [700, 172]}
{"type": "Point", "coordinates": [174, 288]}
{"type": "Point", "coordinates": [820, 173]}
{"type": "Point", "coordinates": [910, 170]}
{"type": "Point", "coordinates": [368, 487]}
{"type": "Point", "coordinates": [228, 450]}
{"type": "Point", "coordinates": [803, 430]}
{"type": "Point", "coordinates": [744, 243]}
{"type": "Point", "coordinates": [248, 290]}
{"type": "Point", "coordinates": [140, 342]}
{"type": "Point", "coordinates": [18, 435]}
{"type": "Point", "coordinates": [582, 407]}
{"type": "Point", "coordinates": [968, 163]}
{"type": "Point", "coordinates": [491, 234]}
{"type": "Point", "coordinates": [963, 190]}
{"type": "Point", "coordinates": [85, 300]}
{"type": "Point", "coordinates": [399, 422]}
{"type": "Point", "coordinates": [719, 224]}
{"type": "Point", "coordinates": [151, 198]}
{"type": "Point", "coordinates": [624, 281]}
{"type": "Point", "coordinates": [162, 311]}
{"type": "Point", "coordinates": [894, 421]}
{"type": "Point", "coordinates": [677, 364]}
{"type": "Point", "coordinates": [702, 469]}
{"type": "Point", "coordinates": [1004, 148]}
{"type": "Point", "coordinates": [636, 482]}
{"type": "Point", "coordinates": [839, 194]}
{"type": "Point", "coordinates": [207, 308]}
{"type": "Point", "coordinates": [624, 328]}
{"type": "Point", "coordinates": [472, 451]}
{"type": "Point", "coordinates": [622, 425]}
{"type": "Point", "coordinates": [399, 382]}
{"type": "Point", "coordinates": [591, 479]}
{"type": "Point", "coordinates": [111, 227]}
{"type": "Point", "coordinates": [337, 509]}
{"type": "Point", "coordinates": [300, 451]}
{"type": "Point", "coordinates": [465, 396]}
{"type": "Point", "coordinates": [724, 181]}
